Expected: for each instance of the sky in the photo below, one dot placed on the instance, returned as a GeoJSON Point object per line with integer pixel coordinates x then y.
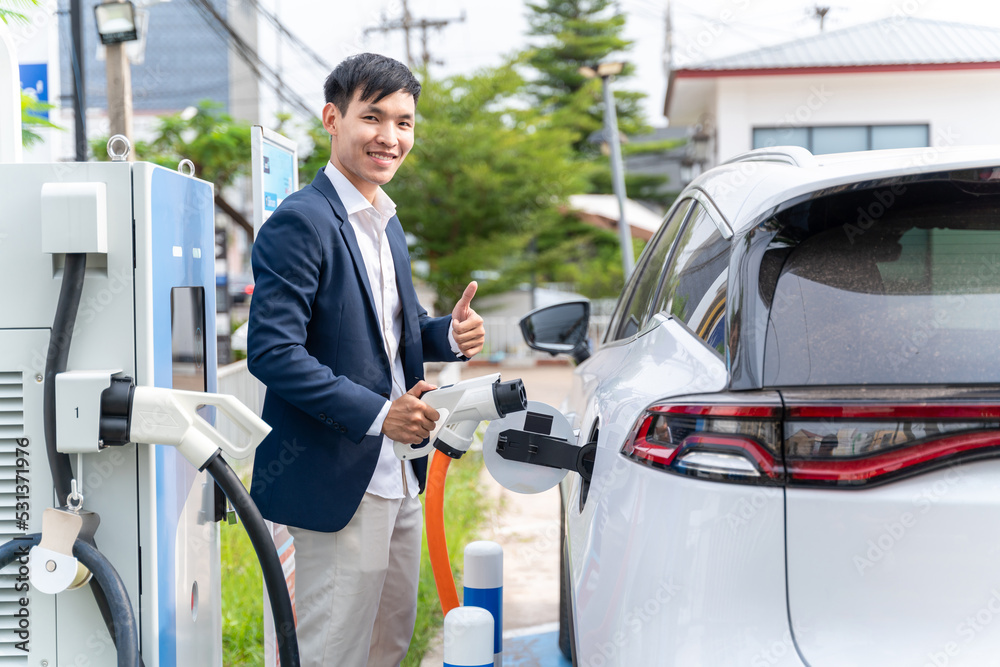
{"type": "Point", "coordinates": [492, 29]}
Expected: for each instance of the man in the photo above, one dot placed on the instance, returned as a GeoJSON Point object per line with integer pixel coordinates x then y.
{"type": "Point", "coordinates": [339, 339]}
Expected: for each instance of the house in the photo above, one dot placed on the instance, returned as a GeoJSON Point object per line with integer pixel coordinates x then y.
{"type": "Point", "coordinates": [894, 83]}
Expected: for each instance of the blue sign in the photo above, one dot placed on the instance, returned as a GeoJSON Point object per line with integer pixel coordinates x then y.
{"type": "Point", "coordinates": [35, 82]}
{"type": "Point", "coordinates": [279, 175]}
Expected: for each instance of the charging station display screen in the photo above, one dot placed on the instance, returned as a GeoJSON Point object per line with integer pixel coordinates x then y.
{"type": "Point", "coordinates": [187, 328]}
{"type": "Point", "coordinates": [279, 175]}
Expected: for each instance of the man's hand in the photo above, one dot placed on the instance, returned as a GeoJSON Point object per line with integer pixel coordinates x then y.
{"type": "Point", "coordinates": [410, 420]}
{"type": "Point", "coordinates": [467, 325]}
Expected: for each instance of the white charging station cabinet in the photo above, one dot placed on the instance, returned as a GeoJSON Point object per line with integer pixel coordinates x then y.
{"type": "Point", "coordinates": [148, 309]}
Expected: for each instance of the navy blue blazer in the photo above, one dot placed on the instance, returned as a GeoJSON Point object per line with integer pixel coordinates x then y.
{"type": "Point", "coordinates": [315, 343]}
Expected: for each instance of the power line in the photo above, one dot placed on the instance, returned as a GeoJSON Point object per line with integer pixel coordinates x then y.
{"type": "Point", "coordinates": [406, 23]}
{"type": "Point", "coordinates": [280, 27]}
{"type": "Point", "coordinates": [248, 54]}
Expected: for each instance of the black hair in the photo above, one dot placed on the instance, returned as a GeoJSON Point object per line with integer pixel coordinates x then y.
{"type": "Point", "coordinates": [377, 76]}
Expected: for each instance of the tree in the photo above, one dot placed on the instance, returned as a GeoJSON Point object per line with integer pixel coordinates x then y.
{"type": "Point", "coordinates": [9, 10]}
{"type": "Point", "coordinates": [32, 119]}
{"type": "Point", "coordinates": [578, 33]}
{"type": "Point", "coordinates": [485, 176]}
{"type": "Point", "coordinates": [218, 145]}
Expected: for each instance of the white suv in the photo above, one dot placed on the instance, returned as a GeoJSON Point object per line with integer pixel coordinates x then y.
{"type": "Point", "coordinates": [796, 409]}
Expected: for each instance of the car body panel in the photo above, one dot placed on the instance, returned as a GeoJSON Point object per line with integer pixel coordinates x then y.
{"type": "Point", "coordinates": [638, 591]}
{"type": "Point", "coordinates": [901, 574]}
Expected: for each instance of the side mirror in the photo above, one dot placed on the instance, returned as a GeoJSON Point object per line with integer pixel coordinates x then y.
{"type": "Point", "coordinates": [559, 329]}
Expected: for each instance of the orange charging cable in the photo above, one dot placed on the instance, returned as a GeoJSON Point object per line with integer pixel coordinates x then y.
{"type": "Point", "coordinates": [437, 547]}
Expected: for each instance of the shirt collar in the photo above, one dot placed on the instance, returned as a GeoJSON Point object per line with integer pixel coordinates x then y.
{"type": "Point", "coordinates": [354, 201]}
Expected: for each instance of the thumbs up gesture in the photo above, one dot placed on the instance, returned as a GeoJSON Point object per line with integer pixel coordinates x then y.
{"type": "Point", "coordinates": [466, 324]}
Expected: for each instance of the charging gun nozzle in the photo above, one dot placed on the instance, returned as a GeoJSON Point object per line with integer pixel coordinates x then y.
{"type": "Point", "coordinates": [510, 397]}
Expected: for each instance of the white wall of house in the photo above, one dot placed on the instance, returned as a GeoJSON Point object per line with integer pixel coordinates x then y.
{"type": "Point", "coordinates": [960, 106]}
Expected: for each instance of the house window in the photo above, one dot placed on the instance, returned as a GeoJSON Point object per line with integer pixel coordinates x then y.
{"type": "Point", "coordinates": [843, 138]}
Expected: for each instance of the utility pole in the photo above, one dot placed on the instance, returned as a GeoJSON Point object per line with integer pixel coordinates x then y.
{"type": "Point", "coordinates": [119, 93]}
{"type": "Point", "coordinates": [820, 13]}
{"type": "Point", "coordinates": [406, 23]}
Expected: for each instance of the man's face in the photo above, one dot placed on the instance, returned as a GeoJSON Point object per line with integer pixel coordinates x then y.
{"type": "Point", "coordinates": [371, 140]}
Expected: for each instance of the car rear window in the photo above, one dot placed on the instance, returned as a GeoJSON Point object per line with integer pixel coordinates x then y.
{"type": "Point", "coordinates": [909, 296]}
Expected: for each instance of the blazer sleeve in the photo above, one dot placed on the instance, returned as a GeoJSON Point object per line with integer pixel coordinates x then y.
{"type": "Point", "coordinates": [286, 259]}
{"type": "Point", "coordinates": [434, 337]}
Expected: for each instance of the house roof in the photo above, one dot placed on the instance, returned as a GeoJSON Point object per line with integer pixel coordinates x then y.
{"type": "Point", "coordinates": [602, 211]}
{"type": "Point", "coordinates": [892, 41]}
{"type": "Point", "coordinates": [894, 44]}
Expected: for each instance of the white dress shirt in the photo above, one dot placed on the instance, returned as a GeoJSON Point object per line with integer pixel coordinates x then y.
{"type": "Point", "coordinates": [392, 478]}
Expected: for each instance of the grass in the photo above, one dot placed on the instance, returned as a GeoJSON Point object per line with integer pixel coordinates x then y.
{"type": "Point", "coordinates": [242, 589]}
{"type": "Point", "coordinates": [242, 600]}
{"type": "Point", "coordinates": [464, 513]}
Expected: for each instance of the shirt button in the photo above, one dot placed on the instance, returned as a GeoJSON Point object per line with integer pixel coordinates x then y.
{"type": "Point", "coordinates": [322, 416]}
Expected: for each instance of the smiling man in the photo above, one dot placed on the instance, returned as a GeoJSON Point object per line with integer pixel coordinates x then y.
{"type": "Point", "coordinates": [339, 339]}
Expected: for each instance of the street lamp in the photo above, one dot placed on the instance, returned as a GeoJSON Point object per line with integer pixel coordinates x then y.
{"type": "Point", "coordinates": [606, 71]}
{"type": "Point", "coordinates": [116, 22]}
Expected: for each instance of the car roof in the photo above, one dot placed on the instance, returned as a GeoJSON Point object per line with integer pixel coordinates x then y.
{"type": "Point", "coordinates": [750, 184]}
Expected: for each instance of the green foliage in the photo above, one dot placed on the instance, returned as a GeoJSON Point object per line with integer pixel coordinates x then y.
{"type": "Point", "coordinates": [32, 119]}
{"type": "Point", "coordinates": [9, 10]}
{"type": "Point", "coordinates": [242, 599]}
{"type": "Point", "coordinates": [579, 33]}
{"type": "Point", "coordinates": [484, 176]}
{"type": "Point", "coordinates": [310, 163]}
{"type": "Point", "coordinates": [587, 257]}
{"type": "Point", "coordinates": [218, 145]}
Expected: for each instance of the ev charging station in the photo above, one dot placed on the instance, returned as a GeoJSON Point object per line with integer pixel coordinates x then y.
{"type": "Point", "coordinates": [107, 339]}
{"type": "Point", "coordinates": [147, 310]}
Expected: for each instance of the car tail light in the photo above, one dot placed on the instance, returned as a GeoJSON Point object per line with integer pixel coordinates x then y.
{"type": "Point", "coordinates": [858, 445]}
{"type": "Point", "coordinates": [248, 290]}
{"type": "Point", "coordinates": [735, 443]}
{"type": "Point", "coordinates": [845, 446]}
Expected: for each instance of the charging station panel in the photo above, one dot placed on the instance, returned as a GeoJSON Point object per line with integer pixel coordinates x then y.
{"type": "Point", "coordinates": [148, 308]}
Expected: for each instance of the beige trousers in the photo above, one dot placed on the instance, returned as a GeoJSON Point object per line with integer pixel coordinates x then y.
{"type": "Point", "coordinates": [356, 589]}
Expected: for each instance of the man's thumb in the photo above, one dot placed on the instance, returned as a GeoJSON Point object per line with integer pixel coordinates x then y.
{"type": "Point", "coordinates": [466, 301]}
{"type": "Point", "coordinates": [420, 387]}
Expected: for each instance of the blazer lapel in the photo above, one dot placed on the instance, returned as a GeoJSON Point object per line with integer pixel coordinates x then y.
{"type": "Point", "coordinates": [404, 286]}
{"type": "Point", "coordinates": [323, 184]}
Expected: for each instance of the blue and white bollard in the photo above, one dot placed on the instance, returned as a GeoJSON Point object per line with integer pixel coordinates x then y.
{"type": "Point", "coordinates": [468, 638]}
{"type": "Point", "coordinates": [484, 587]}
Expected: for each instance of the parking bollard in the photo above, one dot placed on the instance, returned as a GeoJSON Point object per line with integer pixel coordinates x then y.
{"type": "Point", "coordinates": [468, 638]}
{"type": "Point", "coordinates": [484, 587]}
